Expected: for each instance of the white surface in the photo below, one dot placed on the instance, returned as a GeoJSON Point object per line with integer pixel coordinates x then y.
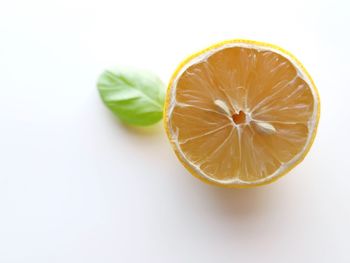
{"type": "Point", "coordinates": [76, 186]}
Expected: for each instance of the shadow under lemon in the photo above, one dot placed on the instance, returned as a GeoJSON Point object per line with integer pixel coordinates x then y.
{"type": "Point", "coordinates": [242, 202]}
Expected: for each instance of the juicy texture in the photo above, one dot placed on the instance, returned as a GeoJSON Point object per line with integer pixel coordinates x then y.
{"type": "Point", "coordinates": [241, 114]}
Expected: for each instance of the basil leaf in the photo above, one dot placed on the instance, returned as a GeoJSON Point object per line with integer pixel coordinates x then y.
{"type": "Point", "coordinates": [136, 97]}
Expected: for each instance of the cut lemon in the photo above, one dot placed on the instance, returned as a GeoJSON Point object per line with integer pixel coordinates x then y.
{"type": "Point", "coordinates": [241, 113]}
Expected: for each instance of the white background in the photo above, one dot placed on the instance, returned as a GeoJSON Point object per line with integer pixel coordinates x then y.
{"type": "Point", "coordinates": [77, 186]}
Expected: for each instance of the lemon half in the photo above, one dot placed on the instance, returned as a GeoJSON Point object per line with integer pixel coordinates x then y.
{"type": "Point", "coordinates": [241, 113]}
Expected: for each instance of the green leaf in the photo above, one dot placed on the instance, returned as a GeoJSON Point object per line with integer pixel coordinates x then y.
{"type": "Point", "coordinates": [136, 97]}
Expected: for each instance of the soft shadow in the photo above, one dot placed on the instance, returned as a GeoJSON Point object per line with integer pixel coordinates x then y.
{"type": "Point", "coordinates": [242, 203]}
{"type": "Point", "coordinates": [151, 130]}
{"type": "Point", "coordinates": [242, 212]}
